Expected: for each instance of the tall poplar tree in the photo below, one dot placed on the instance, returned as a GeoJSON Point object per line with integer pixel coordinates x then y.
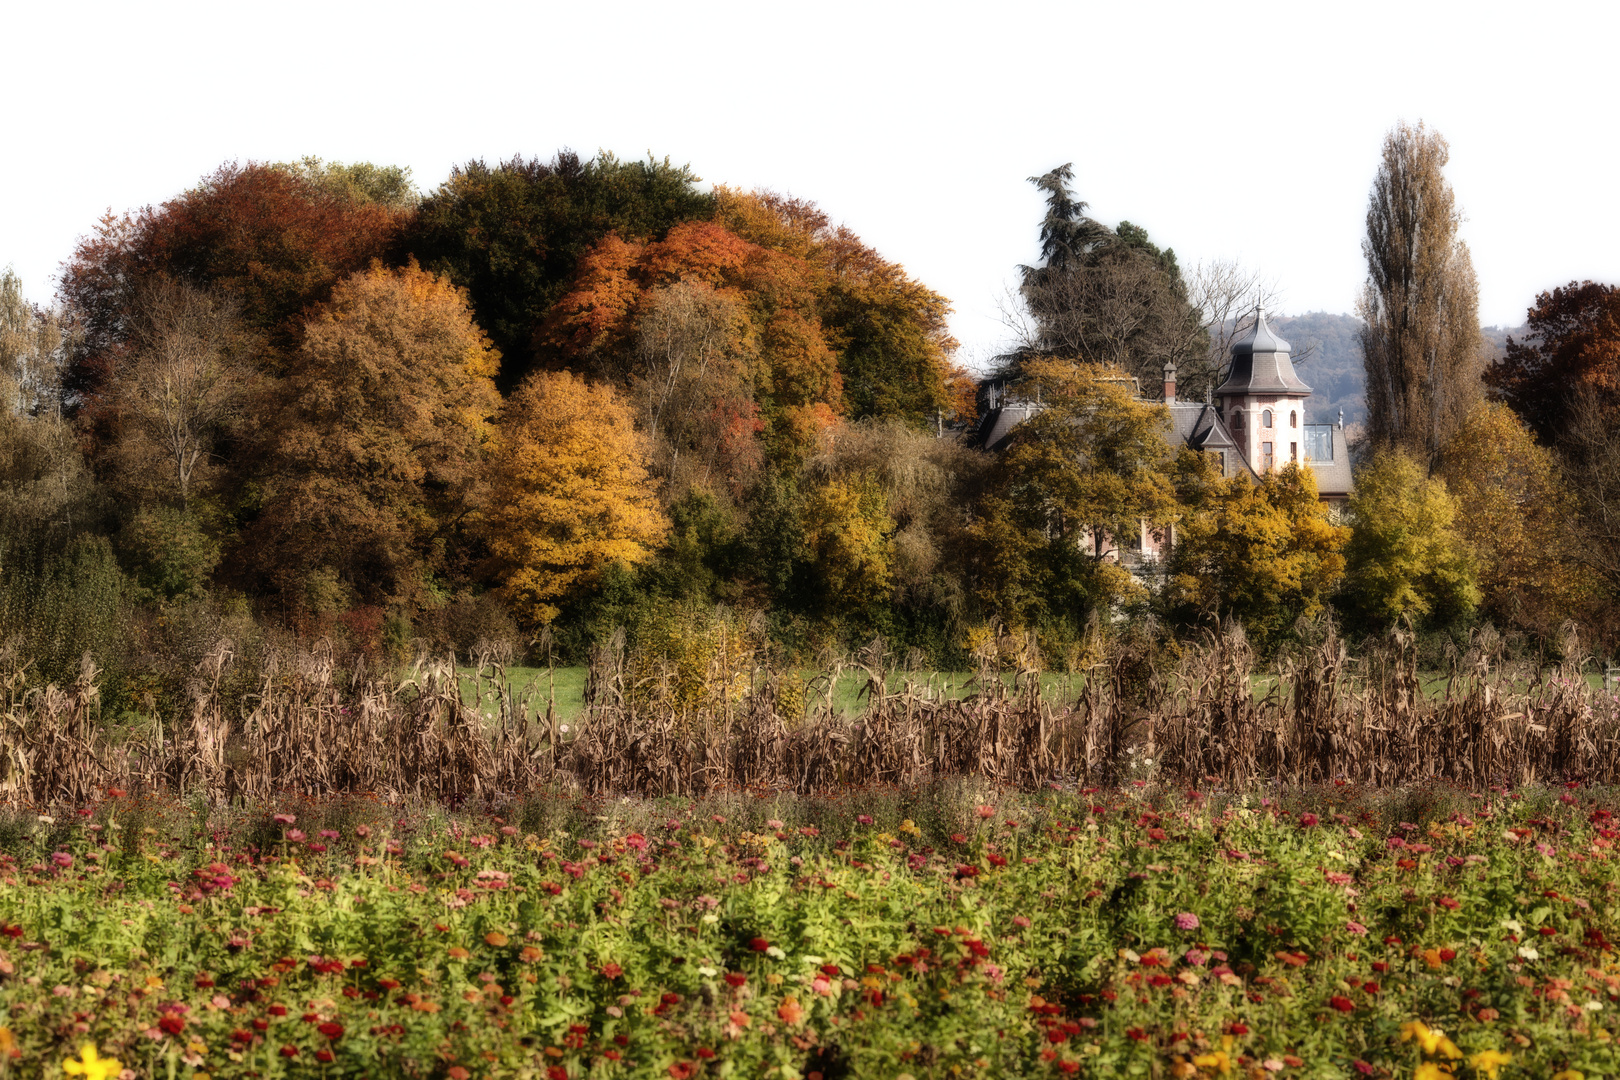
{"type": "Point", "coordinates": [1421, 343]}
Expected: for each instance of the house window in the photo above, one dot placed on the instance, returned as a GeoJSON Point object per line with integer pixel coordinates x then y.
{"type": "Point", "coordinates": [1293, 451]}
{"type": "Point", "coordinates": [1265, 418]}
{"type": "Point", "coordinates": [1220, 460]}
{"type": "Point", "coordinates": [1293, 419]}
{"type": "Point", "coordinates": [1266, 460]}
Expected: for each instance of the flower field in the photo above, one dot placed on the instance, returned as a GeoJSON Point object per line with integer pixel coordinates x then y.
{"type": "Point", "coordinates": [921, 933]}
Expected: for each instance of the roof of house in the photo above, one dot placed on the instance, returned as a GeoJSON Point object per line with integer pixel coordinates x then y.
{"type": "Point", "coordinates": [1333, 477]}
{"type": "Point", "coordinates": [1262, 364]}
{"type": "Point", "coordinates": [999, 422]}
{"type": "Point", "coordinates": [1197, 424]}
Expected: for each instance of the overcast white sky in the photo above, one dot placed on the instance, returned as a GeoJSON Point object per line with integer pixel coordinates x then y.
{"type": "Point", "coordinates": [1228, 130]}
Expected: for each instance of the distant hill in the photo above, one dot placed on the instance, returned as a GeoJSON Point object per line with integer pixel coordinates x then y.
{"type": "Point", "coordinates": [1327, 354]}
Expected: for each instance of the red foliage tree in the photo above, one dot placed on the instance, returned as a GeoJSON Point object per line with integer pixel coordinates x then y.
{"type": "Point", "coordinates": [272, 240]}
{"type": "Point", "coordinates": [1573, 345]}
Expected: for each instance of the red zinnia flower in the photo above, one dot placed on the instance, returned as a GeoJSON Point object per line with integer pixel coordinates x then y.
{"type": "Point", "coordinates": [735, 978]}
{"type": "Point", "coordinates": [1343, 1004]}
{"type": "Point", "coordinates": [331, 1029]}
{"type": "Point", "coordinates": [759, 944]}
{"type": "Point", "coordinates": [172, 1024]}
{"type": "Point", "coordinates": [289, 1051]}
{"type": "Point", "coordinates": [611, 970]}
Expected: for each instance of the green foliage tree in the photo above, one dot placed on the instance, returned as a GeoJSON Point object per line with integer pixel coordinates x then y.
{"type": "Point", "coordinates": [169, 556]}
{"type": "Point", "coordinates": [359, 181]}
{"type": "Point", "coordinates": [1103, 296]}
{"type": "Point", "coordinates": [512, 234]}
{"type": "Point", "coordinates": [1405, 557]}
{"type": "Point", "coordinates": [1263, 553]}
{"type": "Point", "coordinates": [1082, 479]}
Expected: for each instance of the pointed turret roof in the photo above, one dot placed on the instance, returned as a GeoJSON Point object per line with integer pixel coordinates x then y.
{"type": "Point", "coordinates": [1262, 364]}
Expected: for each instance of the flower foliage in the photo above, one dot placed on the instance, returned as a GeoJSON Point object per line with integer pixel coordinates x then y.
{"type": "Point", "coordinates": [1091, 934]}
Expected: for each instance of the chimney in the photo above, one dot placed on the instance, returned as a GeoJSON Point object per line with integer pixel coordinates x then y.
{"type": "Point", "coordinates": [1169, 381]}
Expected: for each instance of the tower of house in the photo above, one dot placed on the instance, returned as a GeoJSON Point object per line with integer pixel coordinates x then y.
{"type": "Point", "coordinates": [1263, 400]}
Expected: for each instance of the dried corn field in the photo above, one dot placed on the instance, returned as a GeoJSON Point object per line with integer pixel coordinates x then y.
{"type": "Point", "coordinates": [1325, 715]}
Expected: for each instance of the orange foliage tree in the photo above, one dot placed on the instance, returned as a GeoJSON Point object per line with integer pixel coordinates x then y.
{"type": "Point", "coordinates": [570, 493]}
{"type": "Point", "coordinates": [375, 459]}
{"type": "Point", "coordinates": [782, 359]}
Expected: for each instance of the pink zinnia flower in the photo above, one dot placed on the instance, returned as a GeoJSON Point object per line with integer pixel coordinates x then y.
{"type": "Point", "coordinates": [62, 859]}
{"type": "Point", "coordinates": [1187, 921]}
{"type": "Point", "coordinates": [1355, 927]}
{"type": "Point", "coordinates": [285, 819]}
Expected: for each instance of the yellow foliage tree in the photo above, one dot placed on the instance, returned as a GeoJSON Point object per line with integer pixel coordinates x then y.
{"type": "Point", "coordinates": [1264, 553]}
{"type": "Point", "coordinates": [570, 492]}
{"type": "Point", "coordinates": [1405, 558]}
{"type": "Point", "coordinates": [846, 534]}
{"type": "Point", "coordinates": [1513, 508]}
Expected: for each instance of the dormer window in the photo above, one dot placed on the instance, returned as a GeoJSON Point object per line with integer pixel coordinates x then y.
{"type": "Point", "coordinates": [1265, 418]}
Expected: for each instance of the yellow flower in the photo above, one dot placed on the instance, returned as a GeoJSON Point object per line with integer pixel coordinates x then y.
{"type": "Point", "coordinates": [1217, 1060]}
{"type": "Point", "coordinates": [1569, 1074]}
{"type": "Point", "coordinates": [1429, 1070]}
{"type": "Point", "coordinates": [1433, 1040]}
{"type": "Point", "coordinates": [1489, 1062]}
{"type": "Point", "coordinates": [92, 1067]}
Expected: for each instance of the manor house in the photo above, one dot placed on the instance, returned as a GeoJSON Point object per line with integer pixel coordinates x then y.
{"type": "Point", "coordinates": [1252, 423]}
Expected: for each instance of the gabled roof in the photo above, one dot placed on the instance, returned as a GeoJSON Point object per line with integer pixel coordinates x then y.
{"type": "Point", "coordinates": [1199, 425]}
{"type": "Point", "coordinates": [1262, 364]}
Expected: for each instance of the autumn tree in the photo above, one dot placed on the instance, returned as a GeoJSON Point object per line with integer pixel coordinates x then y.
{"type": "Point", "coordinates": [1514, 508]}
{"type": "Point", "coordinates": [181, 388]}
{"type": "Point", "coordinates": [1265, 553]}
{"type": "Point", "coordinates": [513, 233]}
{"type": "Point", "coordinates": [34, 345]}
{"type": "Point", "coordinates": [1572, 345]}
{"type": "Point", "coordinates": [376, 458]}
{"type": "Point", "coordinates": [47, 492]}
{"type": "Point", "coordinates": [1080, 482]}
{"type": "Point", "coordinates": [1420, 343]}
{"type": "Point", "coordinates": [778, 351]}
{"type": "Point", "coordinates": [272, 241]}
{"type": "Point", "coordinates": [1405, 557]}
{"type": "Point", "coordinates": [889, 330]}
{"type": "Point", "coordinates": [570, 493]}
{"type": "Point", "coordinates": [847, 543]}
{"type": "Point", "coordinates": [916, 532]}
{"type": "Point", "coordinates": [1591, 453]}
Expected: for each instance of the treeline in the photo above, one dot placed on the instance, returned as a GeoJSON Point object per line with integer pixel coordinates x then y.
{"type": "Point", "coordinates": [548, 401]}
{"type": "Point", "coordinates": [307, 399]}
